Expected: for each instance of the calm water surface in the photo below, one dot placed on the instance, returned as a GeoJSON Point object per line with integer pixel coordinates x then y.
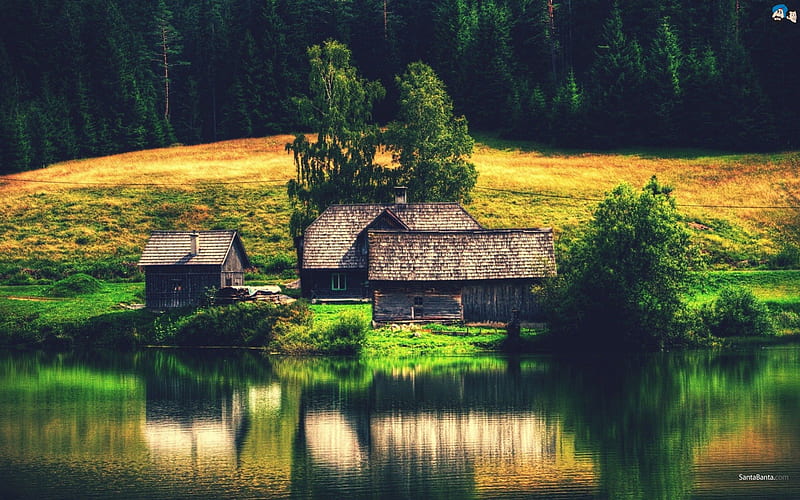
{"type": "Point", "coordinates": [222, 424]}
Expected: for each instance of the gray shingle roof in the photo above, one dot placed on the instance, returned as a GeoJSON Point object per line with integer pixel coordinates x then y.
{"type": "Point", "coordinates": [169, 248]}
{"type": "Point", "coordinates": [330, 242]}
{"type": "Point", "coordinates": [461, 255]}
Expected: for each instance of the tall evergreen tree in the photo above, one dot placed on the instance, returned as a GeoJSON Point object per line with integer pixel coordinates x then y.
{"type": "Point", "coordinates": [489, 68]}
{"type": "Point", "coordinates": [616, 77]}
{"type": "Point", "coordinates": [664, 86]}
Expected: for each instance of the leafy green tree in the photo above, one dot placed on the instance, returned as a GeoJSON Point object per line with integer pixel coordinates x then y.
{"type": "Point", "coordinates": [430, 145]}
{"type": "Point", "coordinates": [340, 166]}
{"type": "Point", "coordinates": [623, 280]}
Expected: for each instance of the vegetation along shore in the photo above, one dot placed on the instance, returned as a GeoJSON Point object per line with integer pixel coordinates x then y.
{"type": "Point", "coordinates": [93, 217]}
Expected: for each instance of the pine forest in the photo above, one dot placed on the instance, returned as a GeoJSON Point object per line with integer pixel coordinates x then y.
{"type": "Point", "coordinates": [83, 78]}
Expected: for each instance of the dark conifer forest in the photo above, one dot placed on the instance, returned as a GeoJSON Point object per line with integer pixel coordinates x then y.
{"type": "Point", "coordinates": [82, 78]}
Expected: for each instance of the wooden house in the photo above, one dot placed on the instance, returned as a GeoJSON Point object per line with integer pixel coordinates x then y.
{"type": "Point", "coordinates": [476, 275]}
{"type": "Point", "coordinates": [180, 266]}
{"type": "Point", "coordinates": [333, 253]}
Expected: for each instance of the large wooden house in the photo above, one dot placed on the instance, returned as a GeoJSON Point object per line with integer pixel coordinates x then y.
{"type": "Point", "coordinates": [333, 253]}
{"type": "Point", "coordinates": [180, 266]}
{"type": "Point", "coordinates": [479, 275]}
{"type": "Point", "coordinates": [424, 262]}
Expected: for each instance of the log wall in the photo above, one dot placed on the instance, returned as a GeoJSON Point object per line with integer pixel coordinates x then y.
{"type": "Point", "coordinates": [494, 300]}
{"type": "Point", "coordinates": [416, 301]}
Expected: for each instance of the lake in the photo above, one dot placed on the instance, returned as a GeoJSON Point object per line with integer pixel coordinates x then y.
{"type": "Point", "coordinates": [165, 423]}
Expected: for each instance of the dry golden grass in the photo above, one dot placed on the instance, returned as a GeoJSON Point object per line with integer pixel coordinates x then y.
{"type": "Point", "coordinates": [107, 206]}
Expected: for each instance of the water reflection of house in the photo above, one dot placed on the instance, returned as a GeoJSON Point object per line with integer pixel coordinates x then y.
{"type": "Point", "coordinates": [194, 432]}
{"type": "Point", "coordinates": [512, 452]}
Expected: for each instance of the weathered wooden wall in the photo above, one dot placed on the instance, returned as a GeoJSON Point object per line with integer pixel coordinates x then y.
{"type": "Point", "coordinates": [316, 284]}
{"type": "Point", "coordinates": [494, 300]}
{"type": "Point", "coordinates": [178, 286]}
{"type": "Point", "coordinates": [435, 301]}
{"type": "Point", "coordinates": [232, 271]}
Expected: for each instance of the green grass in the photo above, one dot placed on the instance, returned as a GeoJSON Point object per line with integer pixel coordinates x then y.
{"type": "Point", "coordinates": [99, 225]}
{"type": "Point", "coordinates": [33, 300]}
{"type": "Point", "coordinates": [415, 340]}
{"type": "Point", "coordinates": [771, 287]}
{"type": "Point", "coordinates": [780, 290]}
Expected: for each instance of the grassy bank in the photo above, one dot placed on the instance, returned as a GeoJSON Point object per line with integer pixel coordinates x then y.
{"type": "Point", "coordinates": [95, 215]}
{"type": "Point", "coordinates": [29, 316]}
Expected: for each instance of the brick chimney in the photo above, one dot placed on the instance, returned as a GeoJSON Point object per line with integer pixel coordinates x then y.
{"type": "Point", "coordinates": [400, 195]}
{"type": "Point", "coordinates": [194, 238]}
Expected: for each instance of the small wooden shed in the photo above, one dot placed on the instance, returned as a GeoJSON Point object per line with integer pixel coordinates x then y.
{"type": "Point", "coordinates": [180, 266]}
{"type": "Point", "coordinates": [477, 275]}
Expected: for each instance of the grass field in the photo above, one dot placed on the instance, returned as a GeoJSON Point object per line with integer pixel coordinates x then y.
{"type": "Point", "coordinates": [780, 290]}
{"type": "Point", "coordinates": [93, 214]}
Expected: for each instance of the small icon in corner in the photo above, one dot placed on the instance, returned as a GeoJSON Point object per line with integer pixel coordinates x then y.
{"type": "Point", "coordinates": [781, 12]}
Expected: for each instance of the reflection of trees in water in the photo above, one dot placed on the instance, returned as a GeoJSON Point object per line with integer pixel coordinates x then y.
{"type": "Point", "coordinates": [644, 416]}
{"type": "Point", "coordinates": [632, 426]}
{"type": "Point", "coordinates": [197, 404]}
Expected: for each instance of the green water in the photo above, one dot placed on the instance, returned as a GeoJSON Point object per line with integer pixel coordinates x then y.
{"type": "Point", "coordinates": [234, 424]}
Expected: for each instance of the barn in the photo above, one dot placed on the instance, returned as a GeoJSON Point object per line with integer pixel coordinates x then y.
{"type": "Point", "coordinates": [333, 253]}
{"type": "Point", "coordinates": [474, 276]}
{"type": "Point", "coordinates": [180, 266]}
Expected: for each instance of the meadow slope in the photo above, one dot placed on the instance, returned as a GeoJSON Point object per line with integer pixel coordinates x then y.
{"type": "Point", "coordinates": [102, 209]}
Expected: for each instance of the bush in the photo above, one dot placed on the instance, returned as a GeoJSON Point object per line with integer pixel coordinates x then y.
{"type": "Point", "coordinates": [788, 320]}
{"type": "Point", "coordinates": [344, 336]}
{"type": "Point", "coordinates": [787, 258]}
{"type": "Point", "coordinates": [738, 313]}
{"type": "Point", "coordinates": [73, 286]}
{"type": "Point", "coordinates": [242, 324]}
{"type": "Point", "coordinates": [623, 280]}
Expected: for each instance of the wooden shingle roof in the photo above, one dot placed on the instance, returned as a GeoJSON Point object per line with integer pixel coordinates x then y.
{"type": "Point", "coordinates": [330, 242]}
{"type": "Point", "coordinates": [461, 255]}
{"type": "Point", "coordinates": [170, 248]}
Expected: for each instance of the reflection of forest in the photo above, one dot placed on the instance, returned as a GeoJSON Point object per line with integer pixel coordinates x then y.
{"type": "Point", "coordinates": [233, 424]}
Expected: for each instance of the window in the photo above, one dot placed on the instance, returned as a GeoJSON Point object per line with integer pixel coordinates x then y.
{"type": "Point", "coordinates": [417, 311]}
{"type": "Point", "coordinates": [338, 281]}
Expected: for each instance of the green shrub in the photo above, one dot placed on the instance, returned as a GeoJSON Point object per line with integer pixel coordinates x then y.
{"type": "Point", "coordinates": [738, 313]}
{"type": "Point", "coordinates": [788, 320]}
{"type": "Point", "coordinates": [242, 324]}
{"type": "Point", "coordinates": [787, 258]}
{"type": "Point", "coordinates": [73, 286]}
{"type": "Point", "coordinates": [345, 335]}
{"type": "Point", "coordinates": [275, 264]}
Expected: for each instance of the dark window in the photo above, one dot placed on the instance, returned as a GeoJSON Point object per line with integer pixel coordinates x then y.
{"type": "Point", "coordinates": [338, 281]}
{"type": "Point", "coordinates": [228, 281]}
{"type": "Point", "coordinates": [417, 311]}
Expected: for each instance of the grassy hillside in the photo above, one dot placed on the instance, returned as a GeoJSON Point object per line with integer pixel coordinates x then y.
{"type": "Point", "coordinates": [95, 215]}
